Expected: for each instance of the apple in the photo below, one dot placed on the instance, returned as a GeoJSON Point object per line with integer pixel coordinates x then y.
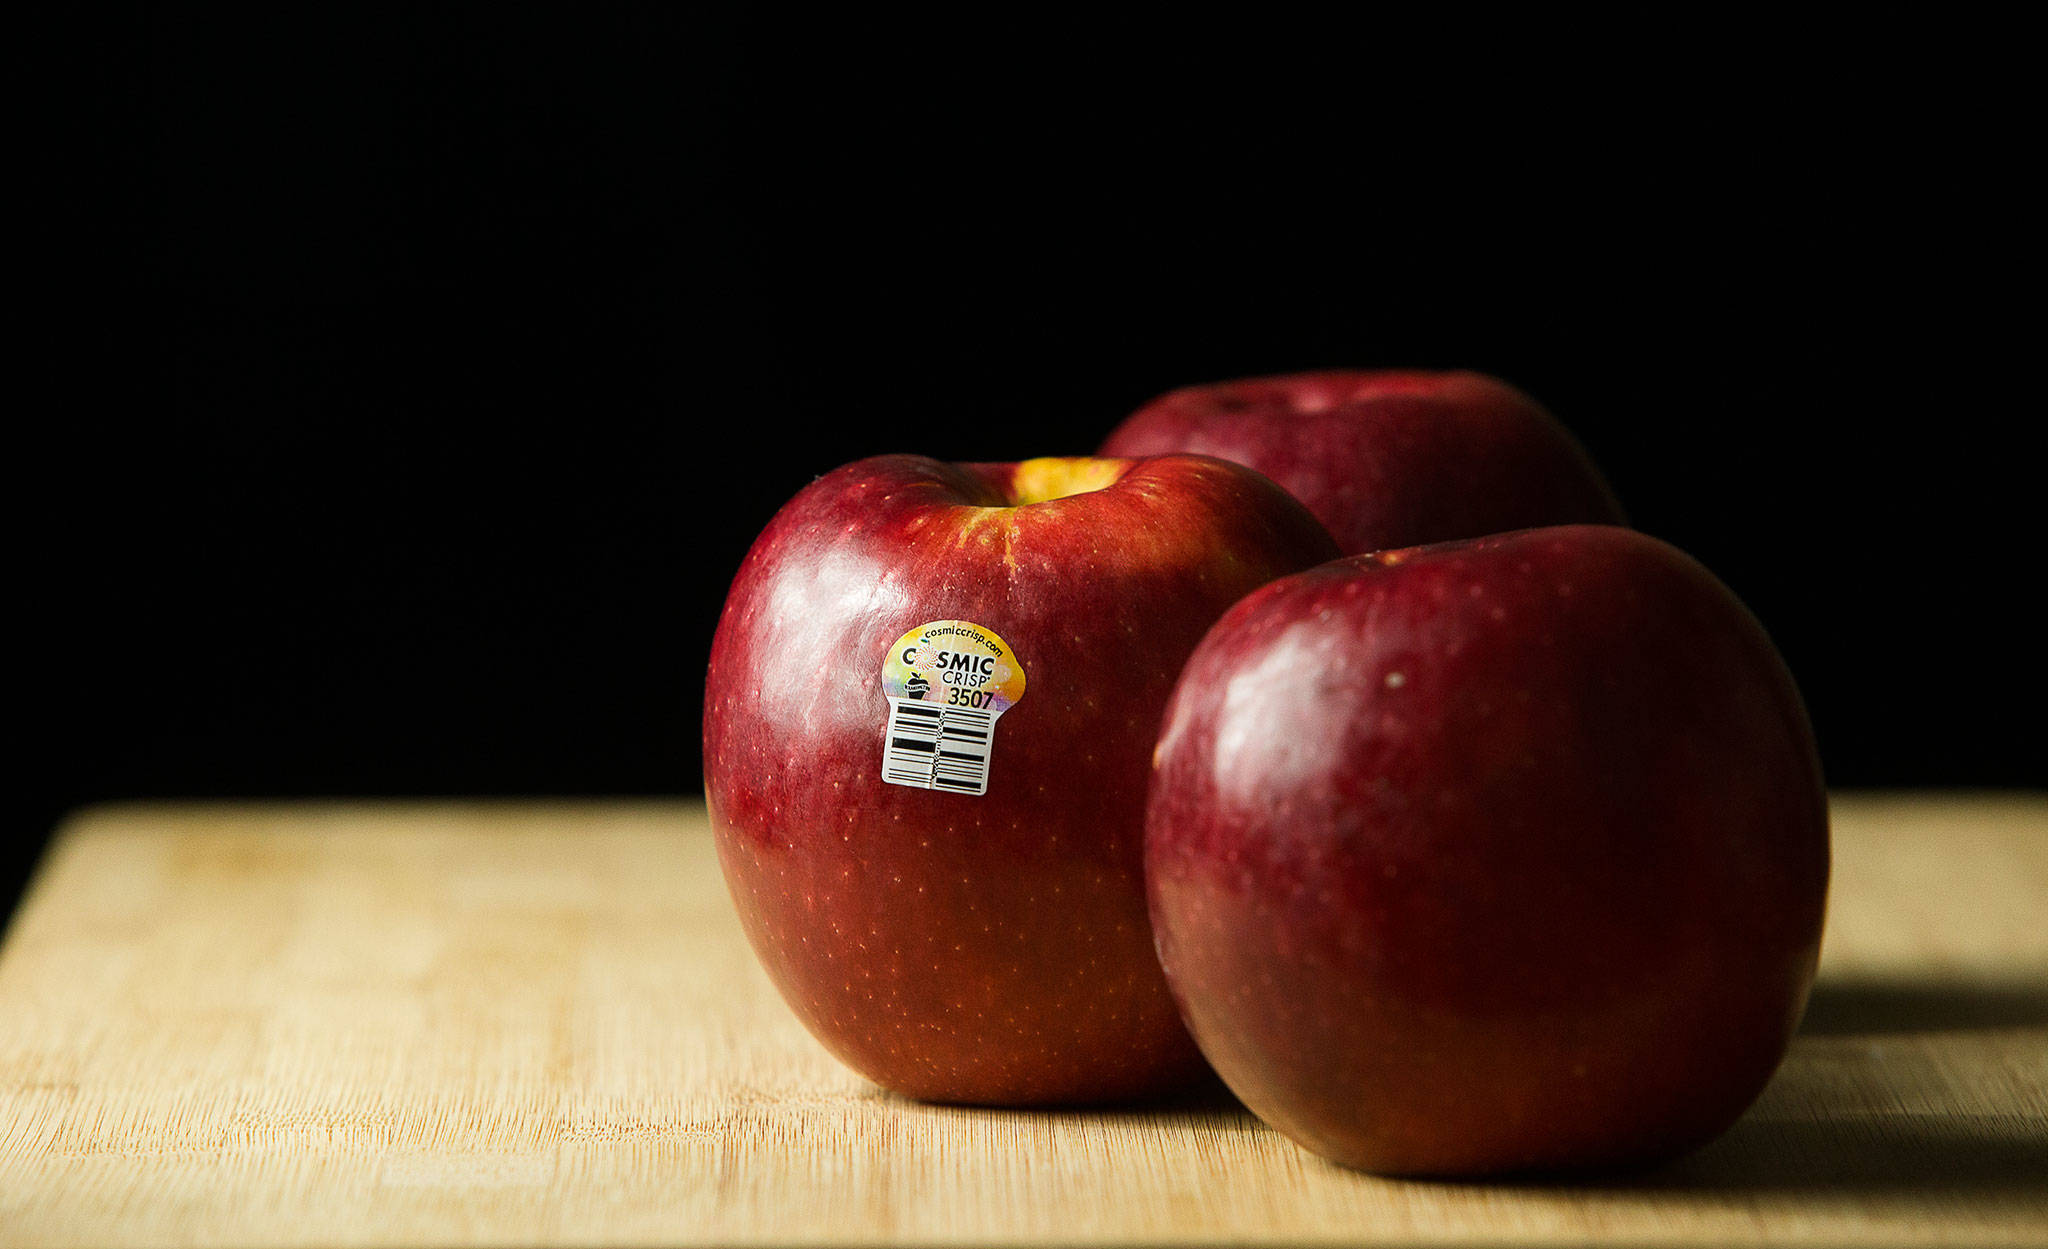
{"type": "Point", "coordinates": [929, 719]}
{"type": "Point", "coordinates": [1387, 458]}
{"type": "Point", "coordinates": [1503, 855]}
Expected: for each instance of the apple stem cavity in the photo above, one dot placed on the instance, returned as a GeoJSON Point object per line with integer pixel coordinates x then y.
{"type": "Point", "coordinates": [1051, 477]}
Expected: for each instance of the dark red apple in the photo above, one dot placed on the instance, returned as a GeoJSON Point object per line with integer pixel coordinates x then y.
{"type": "Point", "coordinates": [1000, 640]}
{"type": "Point", "coordinates": [1387, 458]}
{"type": "Point", "coordinates": [1494, 856]}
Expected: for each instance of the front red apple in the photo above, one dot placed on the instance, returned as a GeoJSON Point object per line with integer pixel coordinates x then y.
{"type": "Point", "coordinates": [930, 712]}
{"type": "Point", "coordinates": [1494, 856]}
{"type": "Point", "coordinates": [1389, 457]}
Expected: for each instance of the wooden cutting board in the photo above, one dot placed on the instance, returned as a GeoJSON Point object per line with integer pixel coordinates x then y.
{"type": "Point", "coordinates": [538, 1024]}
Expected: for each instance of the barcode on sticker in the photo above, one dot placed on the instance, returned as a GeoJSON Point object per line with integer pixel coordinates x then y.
{"type": "Point", "coordinates": [947, 682]}
{"type": "Point", "coordinates": [937, 747]}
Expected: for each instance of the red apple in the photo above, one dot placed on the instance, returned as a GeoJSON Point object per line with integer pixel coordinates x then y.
{"type": "Point", "coordinates": [1391, 458]}
{"type": "Point", "coordinates": [1495, 856]}
{"type": "Point", "coordinates": [950, 944]}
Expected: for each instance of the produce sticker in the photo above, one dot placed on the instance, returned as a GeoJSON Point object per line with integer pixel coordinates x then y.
{"type": "Point", "coordinates": [948, 682]}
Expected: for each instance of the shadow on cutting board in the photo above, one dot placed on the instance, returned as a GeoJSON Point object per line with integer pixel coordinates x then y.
{"type": "Point", "coordinates": [1209, 1103]}
{"type": "Point", "coordinates": [1893, 1152]}
{"type": "Point", "coordinates": [1869, 1007]}
{"type": "Point", "coordinates": [1893, 1086]}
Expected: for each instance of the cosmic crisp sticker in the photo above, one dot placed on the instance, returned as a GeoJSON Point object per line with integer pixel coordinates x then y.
{"type": "Point", "coordinates": [948, 682]}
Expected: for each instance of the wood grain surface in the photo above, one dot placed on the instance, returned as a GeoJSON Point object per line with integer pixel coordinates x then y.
{"type": "Point", "coordinates": [538, 1024]}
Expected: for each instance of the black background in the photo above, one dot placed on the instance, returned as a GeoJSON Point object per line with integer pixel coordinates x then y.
{"type": "Point", "coordinates": [416, 381]}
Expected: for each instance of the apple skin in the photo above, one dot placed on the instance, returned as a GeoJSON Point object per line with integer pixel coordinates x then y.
{"type": "Point", "coordinates": [1387, 458]}
{"type": "Point", "coordinates": [953, 948]}
{"type": "Point", "coordinates": [1506, 855]}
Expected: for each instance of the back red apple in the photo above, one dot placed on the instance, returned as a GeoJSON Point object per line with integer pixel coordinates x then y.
{"type": "Point", "coordinates": [1387, 458]}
